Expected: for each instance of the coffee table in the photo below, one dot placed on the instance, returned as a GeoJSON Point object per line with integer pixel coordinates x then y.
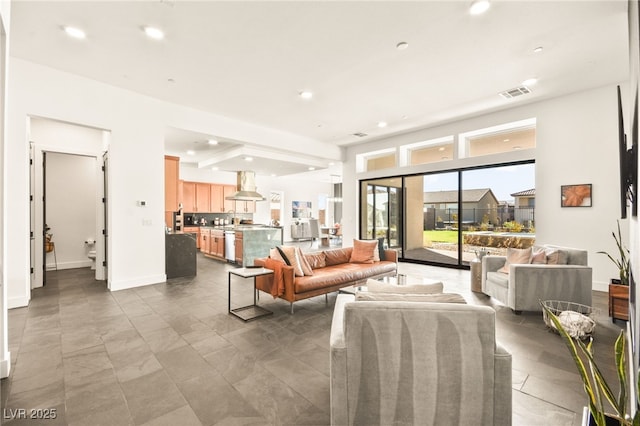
{"type": "Point", "coordinates": [398, 280]}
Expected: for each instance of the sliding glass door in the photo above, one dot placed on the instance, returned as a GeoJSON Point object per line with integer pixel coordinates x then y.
{"type": "Point", "coordinates": [432, 218]}
{"type": "Point", "coordinates": [444, 218]}
{"type": "Point", "coordinates": [381, 210]}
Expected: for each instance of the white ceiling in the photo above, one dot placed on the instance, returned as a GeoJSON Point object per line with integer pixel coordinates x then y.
{"type": "Point", "coordinates": [249, 60]}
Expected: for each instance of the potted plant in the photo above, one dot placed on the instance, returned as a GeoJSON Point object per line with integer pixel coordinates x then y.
{"type": "Point", "coordinates": [619, 287]}
{"type": "Point", "coordinates": [595, 385]}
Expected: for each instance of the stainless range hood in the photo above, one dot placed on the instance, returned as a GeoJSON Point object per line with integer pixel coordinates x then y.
{"type": "Point", "coordinates": [246, 188]}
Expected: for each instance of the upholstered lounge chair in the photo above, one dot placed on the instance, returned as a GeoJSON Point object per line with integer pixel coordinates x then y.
{"type": "Point", "coordinates": [526, 284]}
{"type": "Point", "coordinates": [417, 363]}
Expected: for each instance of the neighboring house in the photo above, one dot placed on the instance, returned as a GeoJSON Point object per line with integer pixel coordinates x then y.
{"type": "Point", "coordinates": [478, 206]}
{"type": "Point", "coordinates": [525, 206]}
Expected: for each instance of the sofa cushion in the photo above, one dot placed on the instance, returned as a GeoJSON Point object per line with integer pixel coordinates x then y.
{"type": "Point", "coordinates": [316, 259]}
{"type": "Point", "coordinates": [364, 251]}
{"type": "Point", "coordinates": [345, 273]}
{"type": "Point", "coordinates": [516, 256]}
{"type": "Point", "coordinates": [290, 256]}
{"type": "Point", "coordinates": [538, 255]}
{"type": "Point", "coordinates": [337, 256]}
{"type": "Point", "coordinates": [363, 296]}
{"type": "Point", "coordinates": [498, 278]}
{"type": "Point", "coordinates": [304, 263]}
{"type": "Point", "coordinates": [375, 286]}
{"type": "Point", "coordinates": [556, 256]}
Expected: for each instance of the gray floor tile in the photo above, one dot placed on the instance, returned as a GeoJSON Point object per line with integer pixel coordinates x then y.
{"type": "Point", "coordinates": [169, 354]}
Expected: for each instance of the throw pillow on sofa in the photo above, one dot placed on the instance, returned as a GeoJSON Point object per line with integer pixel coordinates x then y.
{"type": "Point", "coordinates": [516, 256]}
{"type": "Point", "coordinates": [364, 251]}
{"type": "Point", "coordinates": [316, 260]}
{"type": "Point", "coordinates": [375, 286]}
{"type": "Point", "coordinates": [556, 257]}
{"type": "Point", "coordinates": [290, 256]}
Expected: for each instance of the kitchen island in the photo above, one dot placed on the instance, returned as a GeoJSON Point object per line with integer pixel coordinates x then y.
{"type": "Point", "coordinates": [253, 241]}
{"type": "Point", "coordinates": [239, 243]}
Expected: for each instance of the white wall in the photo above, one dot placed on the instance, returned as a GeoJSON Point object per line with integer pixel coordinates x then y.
{"type": "Point", "coordinates": [576, 143]}
{"type": "Point", "coordinates": [71, 211]}
{"type": "Point", "coordinates": [136, 163]}
{"type": "Point", "coordinates": [5, 15]}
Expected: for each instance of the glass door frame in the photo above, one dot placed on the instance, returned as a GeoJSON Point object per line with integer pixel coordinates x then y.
{"type": "Point", "coordinates": [402, 237]}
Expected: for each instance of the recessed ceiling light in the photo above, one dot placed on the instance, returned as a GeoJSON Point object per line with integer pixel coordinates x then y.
{"type": "Point", "coordinates": [530, 81]}
{"type": "Point", "coordinates": [332, 164]}
{"type": "Point", "coordinates": [154, 33]}
{"type": "Point", "coordinates": [441, 149]}
{"type": "Point", "coordinates": [305, 94]}
{"type": "Point", "coordinates": [75, 32]}
{"type": "Point", "coordinates": [312, 168]}
{"type": "Point", "coordinates": [382, 124]}
{"type": "Point", "coordinates": [402, 45]}
{"type": "Point", "coordinates": [506, 140]}
{"type": "Point", "coordinates": [191, 152]}
{"type": "Point", "coordinates": [479, 7]}
{"type": "Point", "coordinates": [212, 142]}
{"type": "Point", "coordinates": [538, 49]}
{"type": "Point", "coordinates": [515, 148]}
{"type": "Point", "coordinates": [248, 158]}
{"type": "Point", "coordinates": [215, 168]}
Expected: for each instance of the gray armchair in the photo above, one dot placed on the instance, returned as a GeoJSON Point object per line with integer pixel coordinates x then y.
{"type": "Point", "coordinates": [527, 284]}
{"type": "Point", "coordinates": [410, 363]}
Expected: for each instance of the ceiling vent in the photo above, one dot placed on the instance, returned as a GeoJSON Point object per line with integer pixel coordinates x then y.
{"type": "Point", "coordinates": [360, 134]}
{"type": "Point", "coordinates": [515, 92]}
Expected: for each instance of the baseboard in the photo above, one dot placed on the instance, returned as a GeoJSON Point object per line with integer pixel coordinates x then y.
{"type": "Point", "coordinates": [69, 265]}
{"type": "Point", "coordinates": [17, 302]}
{"type": "Point", "coordinates": [115, 285]}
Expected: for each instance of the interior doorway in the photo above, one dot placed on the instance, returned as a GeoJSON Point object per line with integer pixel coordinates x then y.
{"type": "Point", "coordinates": [68, 198]}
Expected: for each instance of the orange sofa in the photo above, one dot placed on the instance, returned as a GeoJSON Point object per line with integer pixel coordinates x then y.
{"type": "Point", "coordinates": [331, 275]}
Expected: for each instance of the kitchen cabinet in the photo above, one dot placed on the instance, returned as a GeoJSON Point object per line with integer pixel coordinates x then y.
{"type": "Point", "coordinates": [228, 190]}
{"type": "Point", "coordinates": [171, 178]}
{"type": "Point", "coordinates": [216, 243]}
{"type": "Point", "coordinates": [205, 236]}
{"type": "Point", "coordinates": [195, 230]}
{"type": "Point", "coordinates": [189, 197]}
{"type": "Point", "coordinates": [217, 198]}
{"type": "Point", "coordinates": [203, 197]}
{"type": "Point", "coordinates": [239, 247]}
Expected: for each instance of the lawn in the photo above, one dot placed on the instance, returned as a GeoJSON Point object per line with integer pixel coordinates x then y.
{"type": "Point", "coordinates": [444, 236]}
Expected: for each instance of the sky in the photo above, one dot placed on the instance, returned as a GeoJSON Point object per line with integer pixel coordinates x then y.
{"type": "Point", "coordinates": [503, 181]}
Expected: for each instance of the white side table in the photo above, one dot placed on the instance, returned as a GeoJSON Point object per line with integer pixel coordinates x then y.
{"type": "Point", "coordinates": [476, 275]}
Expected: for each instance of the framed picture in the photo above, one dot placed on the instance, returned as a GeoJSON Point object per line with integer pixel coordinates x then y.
{"type": "Point", "coordinates": [301, 209]}
{"type": "Point", "coordinates": [576, 195]}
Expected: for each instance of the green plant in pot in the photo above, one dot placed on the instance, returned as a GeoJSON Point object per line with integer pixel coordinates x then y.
{"type": "Point", "coordinates": [622, 262]}
{"type": "Point", "coordinates": [619, 288]}
{"type": "Point", "coordinates": [595, 385]}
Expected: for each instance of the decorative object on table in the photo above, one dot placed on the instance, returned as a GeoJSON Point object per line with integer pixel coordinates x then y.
{"type": "Point", "coordinates": [619, 287]}
{"type": "Point", "coordinates": [595, 385]}
{"type": "Point", "coordinates": [482, 253]}
{"type": "Point", "coordinates": [577, 319]}
{"type": "Point", "coordinates": [576, 195]}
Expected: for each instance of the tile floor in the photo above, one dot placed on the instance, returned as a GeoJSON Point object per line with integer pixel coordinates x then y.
{"type": "Point", "coordinates": [169, 354]}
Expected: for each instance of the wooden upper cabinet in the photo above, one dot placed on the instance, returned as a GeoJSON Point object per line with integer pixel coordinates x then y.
{"type": "Point", "coordinates": [189, 197]}
{"type": "Point", "coordinates": [217, 198]}
{"type": "Point", "coordinates": [171, 178]}
{"type": "Point", "coordinates": [203, 197]}
{"type": "Point", "coordinates": [227, 191]}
